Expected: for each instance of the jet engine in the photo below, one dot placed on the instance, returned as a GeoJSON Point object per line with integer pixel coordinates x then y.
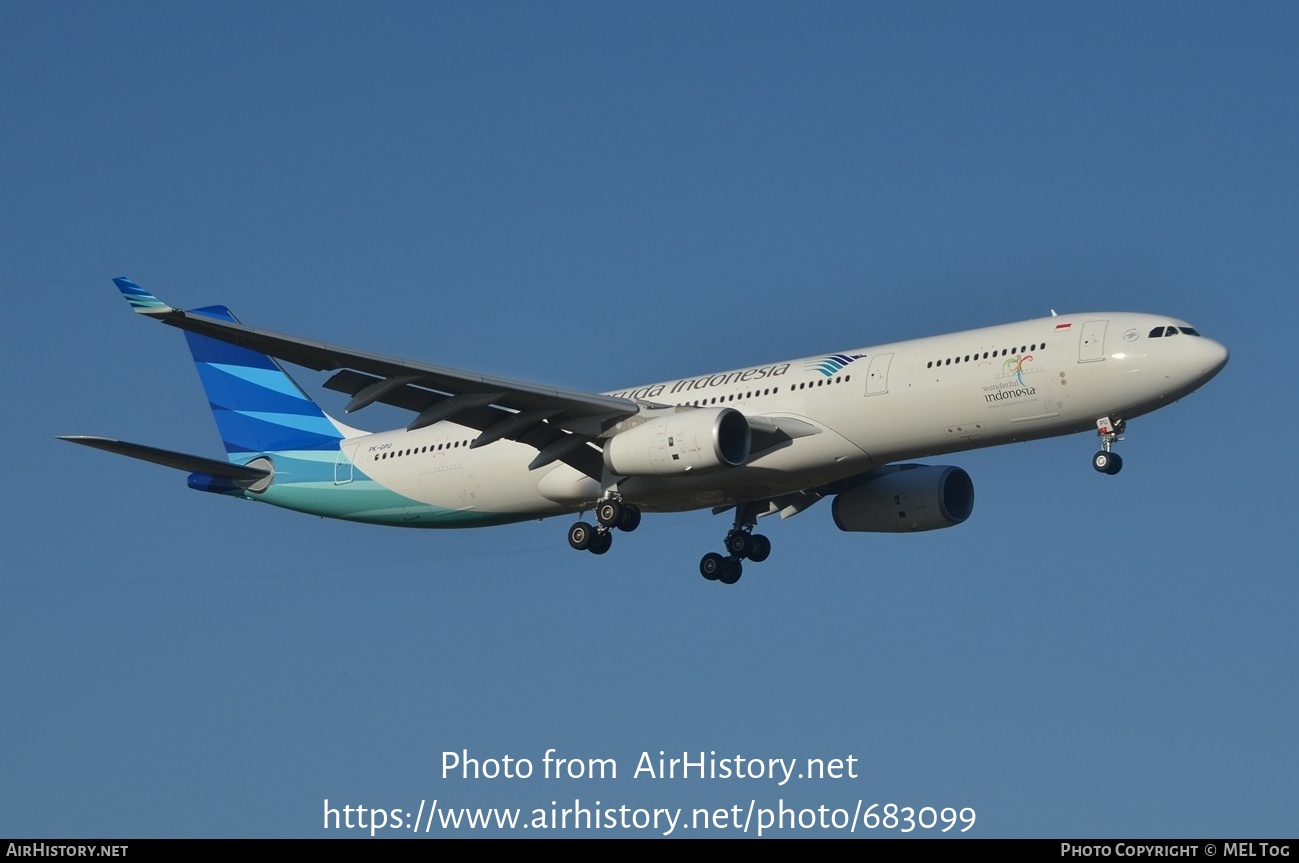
{"type": "Point", "coordinates": [906, 498]}
{"type": "Point", "coordinates": [681, 442]}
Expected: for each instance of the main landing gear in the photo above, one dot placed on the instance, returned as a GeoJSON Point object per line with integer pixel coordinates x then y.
{"type": "Point", "coordinates": [741, 542]}
{"type": "Point", "coordinates": [1106, 461]}
{"type": "Point", "coordinates": [610, 513]}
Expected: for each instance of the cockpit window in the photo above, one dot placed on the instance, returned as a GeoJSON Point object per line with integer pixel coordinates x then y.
{"type": "Point", "coordinates": [1159, 332]}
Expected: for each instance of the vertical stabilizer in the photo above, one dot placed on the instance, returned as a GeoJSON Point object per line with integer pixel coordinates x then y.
{"type": "Point", "coordinates": [258, 407]}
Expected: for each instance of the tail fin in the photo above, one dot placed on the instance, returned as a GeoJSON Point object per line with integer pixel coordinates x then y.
{"type": "Point", "coordinates": [258, 408]}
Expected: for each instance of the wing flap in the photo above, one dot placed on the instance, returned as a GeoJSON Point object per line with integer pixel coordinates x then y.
{"type": "Point", "coordinates": [533, 428]}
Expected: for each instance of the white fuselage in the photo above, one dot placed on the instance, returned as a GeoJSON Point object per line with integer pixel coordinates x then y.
{"type": "Point", "coordinates": [872, 406]}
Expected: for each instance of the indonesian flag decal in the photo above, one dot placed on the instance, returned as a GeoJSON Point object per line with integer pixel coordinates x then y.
{"type": "Point", "coordinates": [1060, 328]}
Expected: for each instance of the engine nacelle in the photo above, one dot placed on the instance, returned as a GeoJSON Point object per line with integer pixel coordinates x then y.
{"type": "Point", "coordinates": [909, 497]}
{"type": "Point", "coordinates": [681, 442]}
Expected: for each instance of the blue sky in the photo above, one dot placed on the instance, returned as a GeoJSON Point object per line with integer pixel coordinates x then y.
{"type": "Point", "coordinates": [602, 195]}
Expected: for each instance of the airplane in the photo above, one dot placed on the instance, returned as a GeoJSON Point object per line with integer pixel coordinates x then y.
{"type": "Point", "coordinates": [769, 439]}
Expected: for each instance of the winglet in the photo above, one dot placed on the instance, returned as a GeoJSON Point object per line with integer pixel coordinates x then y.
{"type": "Point", "coordinates": [141, 300]}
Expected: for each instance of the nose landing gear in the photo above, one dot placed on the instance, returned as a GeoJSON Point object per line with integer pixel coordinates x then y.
{"type": "Point", "coordinates": [1106, 461]}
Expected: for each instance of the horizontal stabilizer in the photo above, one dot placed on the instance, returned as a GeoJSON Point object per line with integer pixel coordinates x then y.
{"type": "Point", "coordinates": [178, 460]}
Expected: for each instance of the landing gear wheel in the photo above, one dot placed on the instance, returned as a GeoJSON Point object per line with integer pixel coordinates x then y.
{"type": "Point", "coordinates": [759, 548]}
{"type": "Point", "coordinates": [731, 571]}
{"type": "Point", "coordinates": [601, 543]}
{"type": "Point", "coordinates": [738, 544]}
{"type": "Point", "coordinates": [1107, 462]}
{"type": "Point", "coordinates": [580, 536]}
{"type": "Point", "coordinates": [711, 566]}
{"type": "Point", "coordinates": [609, 513]}
{"type": "Point", "coordinates": [630, 518]}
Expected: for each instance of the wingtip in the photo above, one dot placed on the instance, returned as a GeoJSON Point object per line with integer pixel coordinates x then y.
{"type": "Point", "coordinates": [141, 300]}
{"type": "Point", "coordinates": [87, 439]}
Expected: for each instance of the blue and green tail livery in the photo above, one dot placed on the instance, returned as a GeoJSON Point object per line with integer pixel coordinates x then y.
{"type": "Point", "coordinates": [265, 419]}
{"type": "Point", "coordinates": [258, 408]}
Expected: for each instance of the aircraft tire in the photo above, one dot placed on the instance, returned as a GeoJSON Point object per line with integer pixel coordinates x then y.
{"type": "Point", "coordinates": [601, 542]}
{"type": "Point", "coordinates": [739, 544]}
{"type": "Point", "coordinates": [580, 536]}
{"type": "Point", "coordinates": [712, 565]}
{"type": "Point", "coordinates": [608, 513]}
{"type": "Point", "coordinates": [1101, 461]}
{"type": "Point", "coordinates": [761, 548]}
{"type": "Point", "coordinates": [630, 518]}
{"type": "Point", "coordinates": [1116, 464]}
{"type": "Point", "coordinates": [731, 572]}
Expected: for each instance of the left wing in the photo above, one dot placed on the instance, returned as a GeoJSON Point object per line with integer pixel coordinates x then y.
{"type": "Point", "coordinates": [558, 422]}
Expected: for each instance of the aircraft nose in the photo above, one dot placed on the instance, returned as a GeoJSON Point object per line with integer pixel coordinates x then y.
{"type": "Point", "coordinates": [1211, 356]}
{"type": "Point", "coordinates": [1214, 356]}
